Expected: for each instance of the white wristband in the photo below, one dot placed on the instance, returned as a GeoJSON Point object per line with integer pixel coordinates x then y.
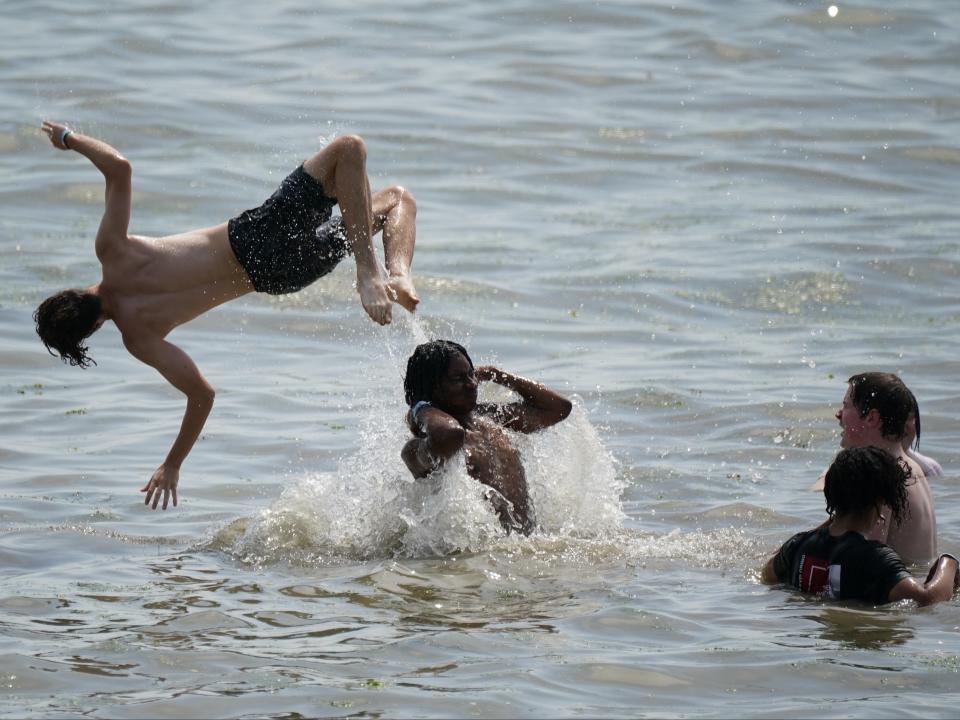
{"type": "Point", "coordinates": [417, 408]}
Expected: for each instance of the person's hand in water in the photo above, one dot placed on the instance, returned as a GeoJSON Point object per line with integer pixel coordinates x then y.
{"type": "Point", "coordinates": [164, 480]}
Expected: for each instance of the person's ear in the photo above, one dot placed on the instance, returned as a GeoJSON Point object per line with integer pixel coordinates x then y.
{"type": "Point", "coordinates": [873, 419]}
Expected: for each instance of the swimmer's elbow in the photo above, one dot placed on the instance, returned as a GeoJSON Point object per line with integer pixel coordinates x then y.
{"type": "Point", "coordinates": [564, 409]}
{"type": "Point", "coordinates": [410, 459]}
{"type": "Point", "coordinates": [203, 396]}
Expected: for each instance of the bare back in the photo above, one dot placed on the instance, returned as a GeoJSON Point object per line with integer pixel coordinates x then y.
{"type": "Point", "coordinates": [152, 285]}
{"type": "Point", "coordinates": [915, 540]}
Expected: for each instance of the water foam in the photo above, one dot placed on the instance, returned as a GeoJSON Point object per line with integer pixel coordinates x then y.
{"type": "Point", "coordinates": [371, 507]}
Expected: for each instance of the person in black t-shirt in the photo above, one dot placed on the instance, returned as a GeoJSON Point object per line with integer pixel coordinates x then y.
{"type": "Point", "coordinates": [836, 561]}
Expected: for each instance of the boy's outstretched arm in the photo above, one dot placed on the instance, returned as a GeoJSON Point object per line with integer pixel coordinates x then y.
{"type": "Point", "coordinates": [181, 372]}
{"type": "Point", "coordinates": [116, 172]}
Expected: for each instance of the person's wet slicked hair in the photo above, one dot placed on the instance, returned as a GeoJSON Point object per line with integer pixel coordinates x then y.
{"type": "Point", "coordinates": [861, 478]}
{"type": "Point", "coordinates": [427, 365]}
{"type": "Point", "coordinates": [64, 321]}
{"type": "Point", "coordinates": [887, 394]}
{"type": "Point", "coordinates": [916, 419]}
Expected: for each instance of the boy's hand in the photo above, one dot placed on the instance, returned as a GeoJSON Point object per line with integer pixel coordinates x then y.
{"type": "Point", "coordinates": [487, 373]}
{"type": "Point", "coordinates": [164, 479]}
{"type": "Point", "coordinates": [54, 131]}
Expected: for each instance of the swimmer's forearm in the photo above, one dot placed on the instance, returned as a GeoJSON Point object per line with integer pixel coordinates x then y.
{"type": "Point", "coordinates": [532, 392]}
{"type": "Point", "coordinates": [107, 159]}
{"type": "Point", "coordinates": [420, 459]}
{"type": "Point", "coordinates": [442, 438]}
{"type": "Point", "coordinates": [194, 418]}
{"type": "Point", "coordinates": [940, 585]}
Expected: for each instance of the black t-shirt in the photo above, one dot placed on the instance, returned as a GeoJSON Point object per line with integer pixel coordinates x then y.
{"type": "Point", "coordinates": [848, 567]}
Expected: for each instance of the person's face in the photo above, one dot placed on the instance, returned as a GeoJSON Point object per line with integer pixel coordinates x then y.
{"type": "Point", "coordinates": [854, 427]}
{"type": "Point", "coordinates": [456, 391]}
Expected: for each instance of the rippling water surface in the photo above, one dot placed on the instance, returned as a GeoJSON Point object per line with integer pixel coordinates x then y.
{"type": "Point", "coordinates": [697, 219]}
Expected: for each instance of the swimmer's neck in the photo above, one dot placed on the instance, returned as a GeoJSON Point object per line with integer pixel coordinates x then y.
{"type": "Point", "coordinates": [862, 523]}
{"type": "Point", "coordinates": [466, 418]}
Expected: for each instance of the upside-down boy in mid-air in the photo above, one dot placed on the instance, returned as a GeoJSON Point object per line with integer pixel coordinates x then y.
{"type": "Point", "coordinates": [149, 286]}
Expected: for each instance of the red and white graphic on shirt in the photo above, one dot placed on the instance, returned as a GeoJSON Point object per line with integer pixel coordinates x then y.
{"type": "Point", "coordinates": [814, 575]}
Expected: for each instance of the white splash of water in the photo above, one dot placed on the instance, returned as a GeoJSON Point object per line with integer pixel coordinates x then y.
{"type": "Point", "coordinates": [370, 506]}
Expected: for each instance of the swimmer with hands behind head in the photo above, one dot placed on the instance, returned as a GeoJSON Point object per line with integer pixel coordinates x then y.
{"type": "Point", "coordinates": [445, 418]}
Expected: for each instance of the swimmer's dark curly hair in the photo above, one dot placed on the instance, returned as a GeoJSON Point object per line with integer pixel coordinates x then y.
{"type": "Point", "coordinates": [426, 366]}
{"type": "Point", "coordinates": [65, 320]}
{"type": "Point", "coordinates": [862, 478]}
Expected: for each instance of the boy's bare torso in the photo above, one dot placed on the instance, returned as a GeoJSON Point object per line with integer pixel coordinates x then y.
{"type": "Point", "coordinates": [492, 459]}
{"type": "Point", "coordinates": [915, 540]}
{"type": "Point", "coordinates": [152, 285]}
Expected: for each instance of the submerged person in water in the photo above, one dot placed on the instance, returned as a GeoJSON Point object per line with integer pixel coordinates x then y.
{"type": "Point", "coordinates": [441, 389]}
{"type": "Point", "coordinates": [837, 561]}
{"type": "Point", "coordinates": [150, 286]}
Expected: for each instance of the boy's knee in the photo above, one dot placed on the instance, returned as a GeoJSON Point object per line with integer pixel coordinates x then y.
{"type": "Point", "coordinates": [351, 146]}
{"type": "Point", "coordinates": [405, 198]}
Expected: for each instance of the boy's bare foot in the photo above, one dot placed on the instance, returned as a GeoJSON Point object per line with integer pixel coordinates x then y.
{"type": "Point", "coordinates": [401, 290]}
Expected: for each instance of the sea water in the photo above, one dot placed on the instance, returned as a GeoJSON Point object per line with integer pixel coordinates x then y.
{"type": "Point", "coordinates": [695, 219]}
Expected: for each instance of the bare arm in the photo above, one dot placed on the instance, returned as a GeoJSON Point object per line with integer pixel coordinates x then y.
{"type": "Point", "coordinates": [181, 372]}
{"type": "Point", "coordinates": [116, 172]}
{"type": "Point", "coordinates": [941, 581]}
{"type": "Point", "coordinates": [767, 575]}
{"type": "Point", "coordinates": [439, 437]}
{"type": "Point", "coordinates": [540, 407]}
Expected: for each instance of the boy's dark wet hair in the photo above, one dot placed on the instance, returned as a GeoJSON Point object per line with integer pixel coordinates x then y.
{"type": "Point", "coordinates": [916, 419]}
{"type": "Point", "coordinates": [885, 393]}
{"type": "Point", "coordinates": [65, 320]}
{"type": "Point", "coordinates": [427, 365]}
{"type": "Point", "coordinates": [862, 478]}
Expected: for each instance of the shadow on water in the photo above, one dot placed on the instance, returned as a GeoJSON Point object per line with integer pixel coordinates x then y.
{"type": "Point", "coordinates": [861, 628]}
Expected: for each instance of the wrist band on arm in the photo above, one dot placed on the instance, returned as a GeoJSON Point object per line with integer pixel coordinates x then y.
{"type": "Point", "coordinates": [66, 132]}
{"type": "Point", "coordinates": [417, 408]}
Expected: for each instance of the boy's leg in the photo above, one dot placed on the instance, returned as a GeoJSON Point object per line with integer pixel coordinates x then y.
{"type": "Point", "coordinates": [341, 169]}
{"type": "Point", "coordinates": [395, 213]}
